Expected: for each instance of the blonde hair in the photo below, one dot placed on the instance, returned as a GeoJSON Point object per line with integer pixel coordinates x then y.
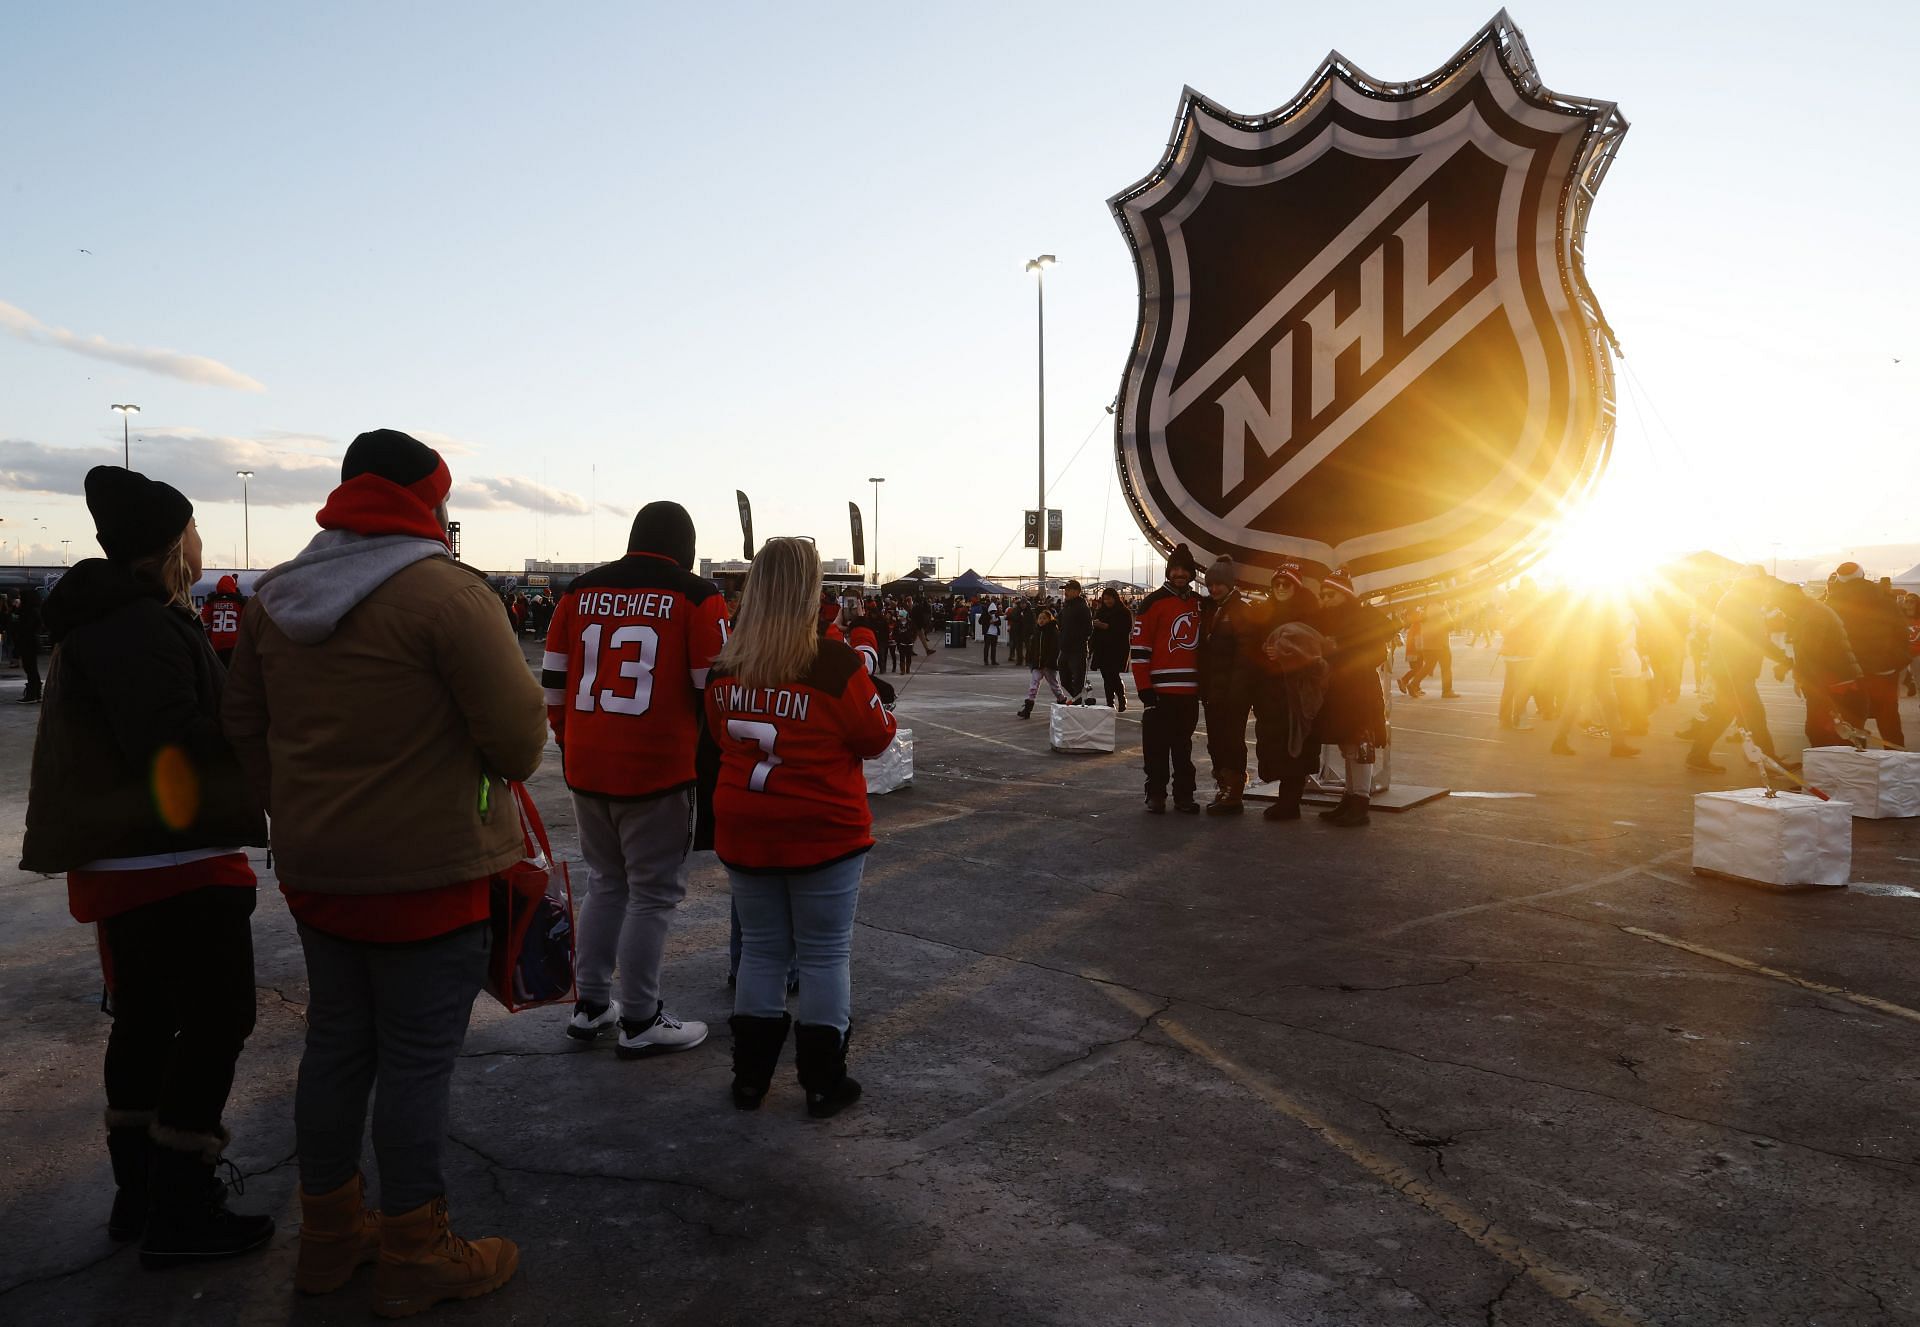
{"type": "Point", "coordinates": [776, 635]}
{"type": "Point", "coordinates": [169, 570]}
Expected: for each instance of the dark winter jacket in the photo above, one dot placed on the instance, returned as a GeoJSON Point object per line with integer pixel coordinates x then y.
{"type": "Point", "coordinates": [1110, 643]}
{"type": "Point", "coordinates": [1821, 654]}
{"type": "Point", "coordinates": [129, 760]}
{"type": "Point", "coordinates": [1354, 708]}
{"type": "Point", "coordinates": [1230, 658]}
{"type": "Point", "coordinates": [1046, 645]}
{"type": "Point", "coordinates": [1874, 626]}
{"type": "Point", "coordinates": [1076, 623]}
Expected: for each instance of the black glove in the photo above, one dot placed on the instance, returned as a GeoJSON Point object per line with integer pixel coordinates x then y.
{"type": "Point", "coordinates": [885, 688]}
{"type": "Point", "coordinates": [1148, 696]}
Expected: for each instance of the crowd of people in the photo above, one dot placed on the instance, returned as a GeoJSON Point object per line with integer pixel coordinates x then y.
{"type": "Point", "coordinates": [368, 712]}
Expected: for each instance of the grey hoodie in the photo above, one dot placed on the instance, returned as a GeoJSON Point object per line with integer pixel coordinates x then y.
{"type": "Point", "coordinates": [307, 596]}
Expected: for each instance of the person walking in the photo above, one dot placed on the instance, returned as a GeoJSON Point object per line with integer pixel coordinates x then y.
{"type": "Point", "coordinates": [220, 616]}
{"type": "Point", "coordinates": [1415, 634]}
{"type": "Point", "coordinates": [380, 705]}
{"type": "Point", "coordinates": [1112, 635]}
{"type": "Point", "coordinates": [627, 655]}
{"type": "Point", "coordinates": [1519, 640]}
{"type": "Point", "coordinates": [1734, 645]}
{"type": "Point", "coordinates": [1590, 653]}
{"type": "Point", "coordinates": [1823, 661]}
{"type": "Point", "coordinates": [1878, 634]}
{"type": "Point", "coordinates": [1353, 712]}
{"type": "Point", "coordinates": [25, 625]}
{"type": "Point", "coordinates": [1166, 676]}
{"type": "Point", "coordinates": [137, 798]}
{"type": "Point", "coordinates": [1044, 647]}
{"type": "Point", "coordinates": [795, 715]}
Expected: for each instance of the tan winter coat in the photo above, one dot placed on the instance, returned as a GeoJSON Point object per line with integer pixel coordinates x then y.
{"type": "Point", "coordinates": [368, 744]}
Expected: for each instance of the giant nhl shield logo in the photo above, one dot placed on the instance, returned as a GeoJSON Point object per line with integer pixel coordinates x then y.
{"type": "Point", "coordinates": [1366, 337]}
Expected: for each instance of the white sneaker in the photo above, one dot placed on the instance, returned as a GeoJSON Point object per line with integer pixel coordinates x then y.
{"type": "Point", "coordinates": [665, 1033]}
{"type": "Point", "coordinates": [582, 1028]}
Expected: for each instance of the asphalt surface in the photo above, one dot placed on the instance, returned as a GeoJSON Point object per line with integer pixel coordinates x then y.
{"type": "Point", "coordinates": [1498, 1059]}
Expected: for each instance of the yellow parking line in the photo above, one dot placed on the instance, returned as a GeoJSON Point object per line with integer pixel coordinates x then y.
{"type": "Point", "coordinates": [1567, 1287]}
{"type": "Point", "coordinates": [1873, 1002]}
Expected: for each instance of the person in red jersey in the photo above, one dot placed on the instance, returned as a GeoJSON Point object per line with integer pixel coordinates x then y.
{"type": "Point", "coordinates": [380, 705]}
{"type": "Point", "coordinates": [1166, 677]}
{"type": "Point", "coordinates": [138, 798]}
{"type": "Point", "coordinates": [220, 615]}
{"type": "Point", "coordinates": [627, 655]}
{"type": "Point", "coordinates": [795, 713]}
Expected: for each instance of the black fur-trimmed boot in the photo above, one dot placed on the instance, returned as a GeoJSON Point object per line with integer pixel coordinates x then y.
{"type": "Point", "coordinates": [187, 1218]}
{"type": "Point", "coordinates": [1228, 800]}
{"type": "Point", "coordinates": [132, 1152]}
{"type": "Point", "coordinates": [757, 1043]}
{"type": "Point", "coordinates": [820, 1056]}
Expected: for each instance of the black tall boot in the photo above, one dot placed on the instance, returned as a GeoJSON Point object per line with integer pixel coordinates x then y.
{"type": "Point", "coordinates": [1350, 814]}
{"type": "Point", "coordinates": [187, 1219]}
{"type": "Point", "coordinates": [132, 1153]}
{"type": "Point", "coordinates": [756, 1050]}
{"type": "Point", "coordinates": [1228, 800]}
{"type": "Point", "coordinates": [1286, 803]}
{"type": "Point", "coordinates": [820, 1055]}
{"type": "Point", "coordinates": [1026, 709]}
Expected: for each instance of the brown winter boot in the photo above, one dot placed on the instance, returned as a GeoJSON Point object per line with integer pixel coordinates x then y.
{"type": "Point", "coordinates": [1227, 802]}
{"type": "Point", "coordinates": [423, 1262]}
{"type": "Point", "coordinates": [337, 1235]}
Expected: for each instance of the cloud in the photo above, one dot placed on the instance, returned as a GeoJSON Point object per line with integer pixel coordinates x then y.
{"type": "Point", "coordinates": [510, 492]}
{"type": "Point", "coordinates": [289, 470]}
{"type": "Point", "coordinates": [170, 363]}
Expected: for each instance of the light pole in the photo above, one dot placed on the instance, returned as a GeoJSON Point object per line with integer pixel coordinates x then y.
{"type": "Point", "coordinates": [66, 559]}
{"type": "Point", "coordinates": [876, 481]}
{"type": "Point", "coordinates": [246, 511]}
{"type": "Point", "coordinates": [956, 560]}
{"type": "Point", "coordinates": [126, 445]}
{"type": "Point", "coordinates": [1038, 266]}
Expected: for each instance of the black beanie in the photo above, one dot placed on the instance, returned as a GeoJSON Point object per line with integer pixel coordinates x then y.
{"type": "Point", "coordinates": [666, 529]}
{"type": "Point", "coordinates": [389, 454]}
{"type": "Point", "coordinates": [134, 516]}
{"type": "Point", "coordinates": [1182, 556]}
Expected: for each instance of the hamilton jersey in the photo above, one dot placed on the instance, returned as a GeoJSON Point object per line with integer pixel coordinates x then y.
{"type": "Point", "coordinates": [792, 795]}
{"type": "Point", "coordinates": [628, 652]}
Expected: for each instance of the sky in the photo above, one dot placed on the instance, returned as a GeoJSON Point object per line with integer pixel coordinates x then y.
{"type": "Point", "coordinates": [602, 254]}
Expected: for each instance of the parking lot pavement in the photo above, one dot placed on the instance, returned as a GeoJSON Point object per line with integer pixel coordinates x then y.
{"type": "Point", "coordinates": [1501, 1058]}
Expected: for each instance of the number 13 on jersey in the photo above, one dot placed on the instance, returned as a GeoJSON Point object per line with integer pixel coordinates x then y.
{"type": "Point", "coordinates": [636, 668]}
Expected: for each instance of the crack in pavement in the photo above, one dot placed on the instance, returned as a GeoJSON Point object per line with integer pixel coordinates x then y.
{"type": "Point", "coordinates": [1493, 1305]}
{"type": "Point", "coordinates": [45, 1277]}
{"type": "Point", "coordinates": [284, 999]}
{"type": "Point", "coordinates": [585, 1174]}
{"type": "Point", "coordinates": [1418, 1137]}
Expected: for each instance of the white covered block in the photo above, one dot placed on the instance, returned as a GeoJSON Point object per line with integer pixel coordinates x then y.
{"type": "Point", "coordinates": [1081, 728]}
{"type": "Point", "coordinates": [1791, 839]}
{"type": "Point", "coordinates": [892, 769]}
{"type": "Point", "coordinates": [1880, 785]}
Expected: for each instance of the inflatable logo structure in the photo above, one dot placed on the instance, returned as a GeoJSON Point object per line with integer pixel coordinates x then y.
{"type": "Point", "coordinates": [1366, 338]}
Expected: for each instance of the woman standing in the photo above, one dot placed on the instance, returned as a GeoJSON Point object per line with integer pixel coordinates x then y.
{"type": "Point", "coordinates": [794, 714]}
{"type": "Point", "coordinates": [1353, 711]}
{"type": "Point", "coordinates": [1112, 630]}
{"type": "Point", "coordinates": [139, 800]}
{"type": "Point", "coordinates": [990, 634]}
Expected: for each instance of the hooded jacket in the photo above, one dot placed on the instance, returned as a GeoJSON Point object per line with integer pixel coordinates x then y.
{"type": "Point", "coordinates": [1875, 628]}
{"type": "Point", "coordinates": [129, 761]}
{"type": "Point", "coordinates": [379, 704]}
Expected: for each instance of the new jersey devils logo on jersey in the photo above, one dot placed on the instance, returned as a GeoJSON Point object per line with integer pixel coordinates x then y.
{"type": "Point", "coordinates": [1184, 634]}
{"type": "Point", "coordinates": [1365, 335]}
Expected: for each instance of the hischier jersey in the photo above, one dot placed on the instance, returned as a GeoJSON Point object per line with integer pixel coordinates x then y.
{"type": "Point", "coordinates": [220, 615]}
{"type": "Point", "coordinates": [792, 795]}
{"type": "Point", "coordinates": [628, 652]}
{"type": "Point", "coordinates": [1166, 644]}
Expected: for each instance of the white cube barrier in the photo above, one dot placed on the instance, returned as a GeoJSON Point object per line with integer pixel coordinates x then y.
{"type": "Point", "coordinates": [1789, 839]}
{"type": "Point", "coordinates": [1081, 728]}
{"type": "Point", "coordinates": [892, 769]}
{"type": "Point", "coordinates": [1879, 785]}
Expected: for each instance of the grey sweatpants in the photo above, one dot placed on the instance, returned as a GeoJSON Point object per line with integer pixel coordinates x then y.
{"type": "Point", "coordinates": [636, 876]}
{"type": "Point", "coordinates": [387, 1020]}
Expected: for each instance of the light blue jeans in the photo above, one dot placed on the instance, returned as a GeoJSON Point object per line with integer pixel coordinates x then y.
{"type": "Point", "coordinates": [807, 916]}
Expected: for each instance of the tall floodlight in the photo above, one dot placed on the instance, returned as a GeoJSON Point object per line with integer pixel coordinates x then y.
{"type": "Point", "coordinates": [876, 481]}
{"type": "Point", "coordinates": [1038, 266]}
{"type": "Point", "coordinates": [126, 444]}
{"type": "Point", "coordinates": [246, 511]}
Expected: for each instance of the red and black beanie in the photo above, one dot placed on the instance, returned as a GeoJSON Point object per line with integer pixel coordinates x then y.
{"type": "Point", "coordinates": [390, 483]}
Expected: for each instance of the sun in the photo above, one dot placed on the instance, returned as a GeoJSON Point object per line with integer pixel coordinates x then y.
{"type": "Point", "coordinates": [1612, 543]}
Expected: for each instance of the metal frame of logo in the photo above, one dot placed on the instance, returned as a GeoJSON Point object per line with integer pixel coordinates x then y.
{"type": "Point", "coordinates": [1541, 154]}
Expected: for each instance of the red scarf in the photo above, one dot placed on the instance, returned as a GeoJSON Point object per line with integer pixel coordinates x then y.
{"type": "Point", "coordinates": [370, 505]}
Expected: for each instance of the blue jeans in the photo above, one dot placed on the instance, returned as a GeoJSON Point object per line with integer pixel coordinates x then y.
{"type": "Point", "coordinates": [809, 916]}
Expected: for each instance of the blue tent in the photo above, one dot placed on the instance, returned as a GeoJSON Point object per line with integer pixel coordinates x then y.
{"type": "Point", "coordinates": [971, 582]}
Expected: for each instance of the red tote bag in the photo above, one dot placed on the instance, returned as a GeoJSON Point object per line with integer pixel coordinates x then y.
{"type": "Point", "coordinates": [532, 919]}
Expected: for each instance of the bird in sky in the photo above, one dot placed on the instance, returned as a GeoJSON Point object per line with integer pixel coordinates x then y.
{"type": "Point", "coordinates": [89, 253]}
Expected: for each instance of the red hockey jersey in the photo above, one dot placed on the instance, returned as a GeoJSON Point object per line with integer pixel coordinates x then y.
{"type": "Point", "coordinates": [792, 795]}
{"type": "Point", "coordinates": [220, 615]}
{"type": "Point", "coordinates": [628, 652]}
{"type": "Point", "coordinates": [1166, 643]}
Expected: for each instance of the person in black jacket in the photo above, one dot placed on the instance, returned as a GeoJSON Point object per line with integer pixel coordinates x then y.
{"type": "Point", "coordinates": [1231, 673]}
{"type": "Point", "coordinates": [1076, 630]}
{"type": "Point", "coordinates": [1045, 648]}
{"type": "Point", "coordinates": [1112, 633]}
{"type": "Point", "coordinates": [1876, 631]}
{"type": "Point", "coordinates": [25, 626]}
{"type": "Point", "coordinates": [138, 799]}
